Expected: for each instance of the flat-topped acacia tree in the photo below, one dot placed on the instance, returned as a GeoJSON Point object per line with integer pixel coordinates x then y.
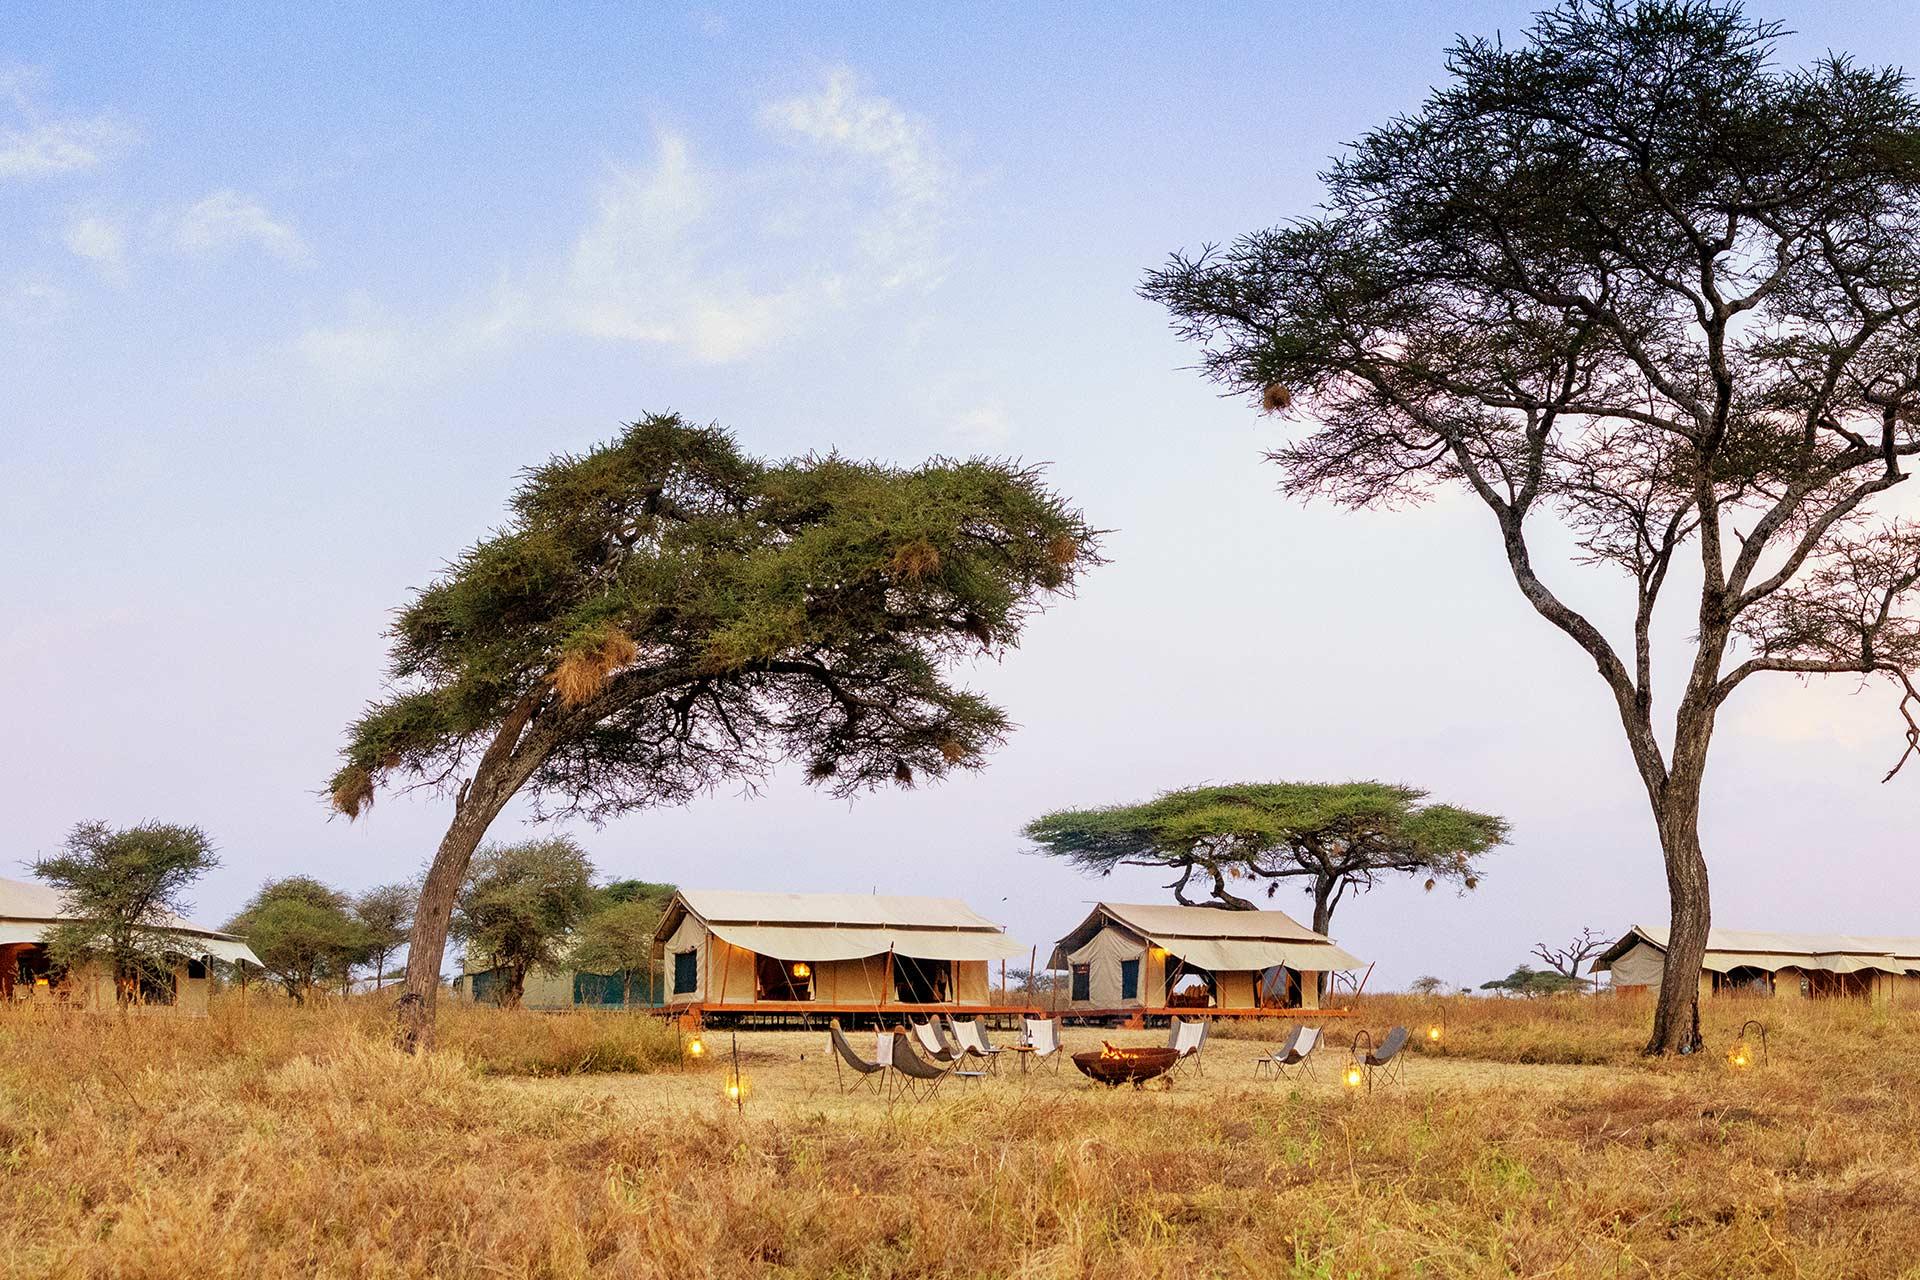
{"type": "Point", "coordinates": [1627, 276]}
{"type": "Point", "coordinates": [664, 613]}
{"type": "Point", "coordinates": [1328, 837]}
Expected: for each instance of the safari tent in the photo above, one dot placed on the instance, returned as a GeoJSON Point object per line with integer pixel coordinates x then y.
{"type": "Point", "coordinates": [567, 987]}
{"type": "Point", "coordinates": [1133, 960]}
{"type": "Point", "coordinates": [28, 910]}
{"type": "Point", "coordinates": [729, 952]}
{"type": "Point", "coordinates": [1775, 965]}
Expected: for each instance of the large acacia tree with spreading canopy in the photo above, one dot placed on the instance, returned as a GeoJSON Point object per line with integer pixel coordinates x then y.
{"type": "Point", "coordinates": [1628, 276]}
{"type": "Point", "coordinates": [664, 612]}
{"type": "Point", "coordinates": [1330, 838]}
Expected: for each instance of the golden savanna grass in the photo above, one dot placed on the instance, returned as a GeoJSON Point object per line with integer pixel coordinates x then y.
{"type": "Point", "coordinates": [268, 1141]}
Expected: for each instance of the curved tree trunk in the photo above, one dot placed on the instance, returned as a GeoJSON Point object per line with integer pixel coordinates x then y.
{"type": "Point", "coordinates": [506, 765]}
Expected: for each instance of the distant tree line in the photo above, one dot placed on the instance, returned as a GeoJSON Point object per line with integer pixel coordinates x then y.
{"type": "Point", "coordinates": [525, 906]}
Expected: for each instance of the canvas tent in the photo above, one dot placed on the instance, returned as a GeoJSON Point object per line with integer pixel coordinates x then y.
{"type": "Point", "coordinates": [735, 951]}
{"type": "Point", "coordinates": [28, 909]}
{"type": "Point", "coordinates": [1133, 958]}
{"type": "Point", "coordinates": [1782, 965]}
{"type": "Point", "coordinates": [567, 987]}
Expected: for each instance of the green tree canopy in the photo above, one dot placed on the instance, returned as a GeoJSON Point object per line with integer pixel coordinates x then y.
{"type": "Point", "coordinates": [1331, 837]}
{"type": "Point", "coordinates": [304, 932]}
{"type": "Point", "coordinates": [1628, 279]}
{"type": "Point", "coordinates": [122, 886]}
{"type": "Point", "coordinates": [1528, 981]}
{"type": "Point", "coordinates": [385, 914]}
{"type": "Point", "coordinates": [664, 613]}
{"type": "Point", "coordinates": [520, 905]}
{"type": "Point", "coordinates": [618, 937]}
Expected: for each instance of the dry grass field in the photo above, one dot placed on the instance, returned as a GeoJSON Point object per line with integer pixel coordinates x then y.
{"type": "Point", "coordinates": [266, 1141]}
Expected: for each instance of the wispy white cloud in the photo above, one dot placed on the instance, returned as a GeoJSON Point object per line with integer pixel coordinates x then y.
{"type": "Point", "coordinates": [720, 262]}
{"type": "Point", "coordinates": [100, 240]}
{"type": "Point", "coordinates": [32, 302]}
{"type": "Point", "coordinates": [840, 123]}
{"type": "Point", "coordinates": [375, 346]}
{"type": "Point", "coordinates": [227, 220]}
{"type": "Point", "coordinates": [33, 145]}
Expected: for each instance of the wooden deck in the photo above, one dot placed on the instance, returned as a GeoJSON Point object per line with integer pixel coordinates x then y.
{"type": "Point", "coordinates": [1137, 1016]}
{"type": "Point", "coordinates": [814, 1013]}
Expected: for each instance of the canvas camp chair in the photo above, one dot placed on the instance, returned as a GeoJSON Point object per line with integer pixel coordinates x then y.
{"type": "Point", "coordinates": [864, 1072]}
{"type": "Point", "coordinates": [932, 1042]}
{"type": "Point", "coordinates": [1386, 1059]}
{"type": "Point", "coordinates": [1294, 1053]}
{"type": "Point", "coordinates": [1186, 1038]}
{"type": "Point", "coordinates": [1043, 1037]}
{"type": "Point", "coordinates": [971, 1036]}
{"type": "Point", "coordinates": [920, 1078]}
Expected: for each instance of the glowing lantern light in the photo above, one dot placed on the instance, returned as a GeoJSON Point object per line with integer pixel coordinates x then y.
{"type": "Point", "coordinates": [1741, 1057]}
{"type": "Point", "coordinates": [1354, 1078]}
{"type": "Point", "coordinates": [1433, 1032]}
{"type": "Point", "coordinates": [695, 1047]}
{"type": "Point", "coordinates": [801, 969]}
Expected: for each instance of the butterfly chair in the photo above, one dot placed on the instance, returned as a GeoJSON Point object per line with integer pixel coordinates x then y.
{"type": "Point", "coordinates": [1043, 1036]}
{"type": "Point", "coordinates": [1294, 1054]}
{"type": "Point", "coordinates": [1387, 1058]}
{"type": "Point", "coordinates": [971, 1036]}
{"type": "Point", "coordinates": [1186, 1037]}
{"type": "Point", "coordinates": [846, 1058]}
{"type": "Point", "coordinates": [932, 1042]}
{"type": "Point", "coordinates": [920, 1078]}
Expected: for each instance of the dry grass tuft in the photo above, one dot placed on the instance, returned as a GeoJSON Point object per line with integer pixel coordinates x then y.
{"type": "Point", "coordinates": [584, 668]}
{"type": "Point", "coordinates": [916, 560]}
{"type": "Point", "coordinates": [353, 791]}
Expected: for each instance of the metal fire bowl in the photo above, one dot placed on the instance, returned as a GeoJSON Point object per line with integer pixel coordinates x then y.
{"type": "Point", "coordinates": [1128, 1066]}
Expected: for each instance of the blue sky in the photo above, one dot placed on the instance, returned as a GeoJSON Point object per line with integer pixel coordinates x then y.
{"type": "Point", "coordinates": [287, 298]}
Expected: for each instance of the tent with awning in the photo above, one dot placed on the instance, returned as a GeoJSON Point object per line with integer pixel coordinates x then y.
{"type": "Point", "coordinates": [1781, 964]}
{"type": "Point", "coordinates": [28, 910]}
{"type": "Point", "coordinates": [850, 950]}
{"type": "Point", "coordinates": [1126, 956]}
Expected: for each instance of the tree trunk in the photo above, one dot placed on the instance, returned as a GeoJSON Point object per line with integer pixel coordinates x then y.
{"type": "Point", "coordinates": [1323, 899]}
{"type": "Point", "coordinates": [1676, 1016]}
{"type": "Point", "coordinates": [507, 764]}
{"type": "Point", "coordinates": [427, 944]}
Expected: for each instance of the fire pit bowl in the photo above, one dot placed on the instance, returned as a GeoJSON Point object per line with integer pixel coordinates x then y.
{"type": "Point", "coordinates": [1111, 1066]}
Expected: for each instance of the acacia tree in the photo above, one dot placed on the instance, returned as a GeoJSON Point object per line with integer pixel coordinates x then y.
{"type": "Point", "coordinates": [1628, 275]}
{"type": "Point", "coordinates": [304, 933]}
{"type": "Point", "coordinates": [1566, 960]}
{"type": "Point", "coordinates": [519, 907]}
{"type": "Point", "coordinates": [617, 934]}
{"type": "Point", "coordinates": [385, 914]}
{"type": "Point", "coordinates": [1334, 837]}
{"type": "Point", "coordinates": [664, 613]}
{"type": "Point", "coordinates": [123, 888]}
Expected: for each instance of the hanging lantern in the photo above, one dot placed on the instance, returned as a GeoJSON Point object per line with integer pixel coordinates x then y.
{"type": "Point", "coordinates": [695, 1047]}
{"type": "Point", "coordinates": [1433, 1033]}
{"type": "Point", "coordinates": [1354, 1078]}
{"type": "Point", "coordinates": [1741, 1057]}
{"type": "Point", "coordinates": [801, 969]}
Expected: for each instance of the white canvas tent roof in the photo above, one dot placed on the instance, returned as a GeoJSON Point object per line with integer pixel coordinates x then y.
{"type": "Point", "coordinates": [1216, 939]}
{"type": "Point", "coordinates": [27, 908]}
{"type": "Point", "coordinates": [1729, 949]}
{"type": "Point", "coordinates": [841, 926]}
